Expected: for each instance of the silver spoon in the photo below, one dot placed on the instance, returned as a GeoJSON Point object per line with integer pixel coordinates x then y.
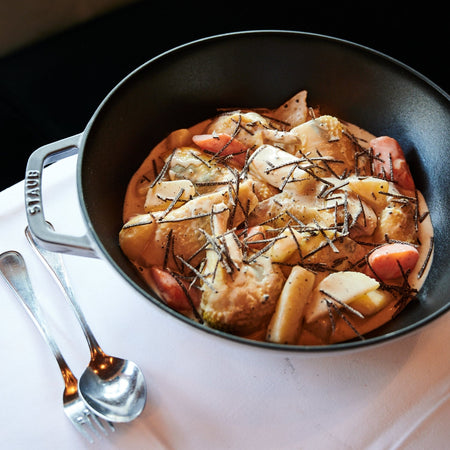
{"type": "Point", "coordinates": [112, 387]}
{"type": "Point", "coordinates": [15, 272]}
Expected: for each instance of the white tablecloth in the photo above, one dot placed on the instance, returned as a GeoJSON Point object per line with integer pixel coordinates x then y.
{"type": "Point", "coordinates": [203, 393]}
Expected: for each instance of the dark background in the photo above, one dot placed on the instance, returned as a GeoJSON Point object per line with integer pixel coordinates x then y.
{"type": "Point", "coordinates": [50, 89]}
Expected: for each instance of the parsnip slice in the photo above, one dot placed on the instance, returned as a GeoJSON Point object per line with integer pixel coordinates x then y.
{"type": "Point", "coordinates": [291, 241]}
{"type": "Point", "coordinates": [338, 288]}
{"type": "Point", "coordinates": [369, 190]}
{"type": "Point", "coordinates": [372, 302]}
{"type": "Point", "coordinates": [285, 325]}
{"type": "Point", "coordinates": [285, 246]}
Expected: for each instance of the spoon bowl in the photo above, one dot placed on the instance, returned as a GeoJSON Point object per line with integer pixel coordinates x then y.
{"type": "Point", "coordinates": [113, 388]}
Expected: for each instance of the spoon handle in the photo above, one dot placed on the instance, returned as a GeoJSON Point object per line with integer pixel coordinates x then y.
{"type": "Point", "coordinates": [14, 270]}
{"type": "Point", "coordinates": [54, 262]}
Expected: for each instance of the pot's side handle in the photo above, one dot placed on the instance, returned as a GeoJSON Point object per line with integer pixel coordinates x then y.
{"type": "Point", "coordinates": [47, 237]}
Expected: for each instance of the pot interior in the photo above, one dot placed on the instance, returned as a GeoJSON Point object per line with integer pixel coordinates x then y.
{"type": "Point", "coordinates": [263, 69]}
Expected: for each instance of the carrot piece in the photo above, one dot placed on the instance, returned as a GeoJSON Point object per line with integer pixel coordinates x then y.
{"type": "Point", "coordinates": [385, 149]}
{"type": "Point", "coordinates": [222, 144]}
{"type": "Point", "coordinates": [385, 260]}
{"type": "Point", "coordinates": [171, 292]}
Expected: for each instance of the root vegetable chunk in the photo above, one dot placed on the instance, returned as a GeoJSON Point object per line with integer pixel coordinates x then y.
{"type": "Point", "coordinates": [285, 325]}
{"type": "Point", "coordinates": [390, 158]}
{"type": "Point", "coordinates": [372, 302]}
{"type": "Point", "coordinates": [371, 190]}
{"type": "Point", "coordinates": [386, 260]}
{"type": "Point", "coordinates": [171, 291]}
{"type": "Point", "coordinates": [338, 288]}
{"type": "Point", "coordinates": [222, 144]}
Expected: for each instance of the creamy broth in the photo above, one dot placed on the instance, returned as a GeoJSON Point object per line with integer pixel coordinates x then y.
{"type": "Point", "coordinates": [319, 333]}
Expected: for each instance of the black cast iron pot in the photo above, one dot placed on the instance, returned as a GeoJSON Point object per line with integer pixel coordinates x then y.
{"type": "Point", "coordinates": [253, 69]}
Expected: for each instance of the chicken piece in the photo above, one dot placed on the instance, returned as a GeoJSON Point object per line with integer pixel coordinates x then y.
{"type": "Point", "coordinates": [285, 138]}
{"type": "Point", "coordinates": [326, 137]}
{"type": "Point", "coordinates": [245, 126]}
{"type": "Point", "coordinates": [282, 170]}
{"type": "Point", "coordinates": [316, 131]}
{"type": "Point", "coordinates": [189, 163]}
{"type": "Point", "coordinates": [289, 208]}
{"type": "Point", "coordinates": [283, 208]}
{"type": "Point", "coordinates": [162, 194]}
{"type": "Point", "coordinates": [238, 297]}
{"type": "Point", "coordinates": [162, 238]}
{"type": "Point", "coordinates": [320, 147]}
{"type": "Point", "coordinates": [208, 174]}
{"type": "Point", "coordinates": [254, 129]}
{"type": "Point", "coordinates": [397, 222]}
{"type": "Point", "coordinates": [361, 218]}
{"type": "Point", "coordinates": [261, 189]}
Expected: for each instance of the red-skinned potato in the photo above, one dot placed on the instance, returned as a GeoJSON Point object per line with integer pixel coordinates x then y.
{"type": "Point", "coordinates": [223, 144]}
{"type": "Point", "coordinates": [171, 292]}
{"type": "Point", "coordinates": [384, 261]}
{"type": "Point", "coordinates": [385, 150]}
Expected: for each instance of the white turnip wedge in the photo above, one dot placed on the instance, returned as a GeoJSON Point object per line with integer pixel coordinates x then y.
{"type": "Point", "coordinates": [285, 325]}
